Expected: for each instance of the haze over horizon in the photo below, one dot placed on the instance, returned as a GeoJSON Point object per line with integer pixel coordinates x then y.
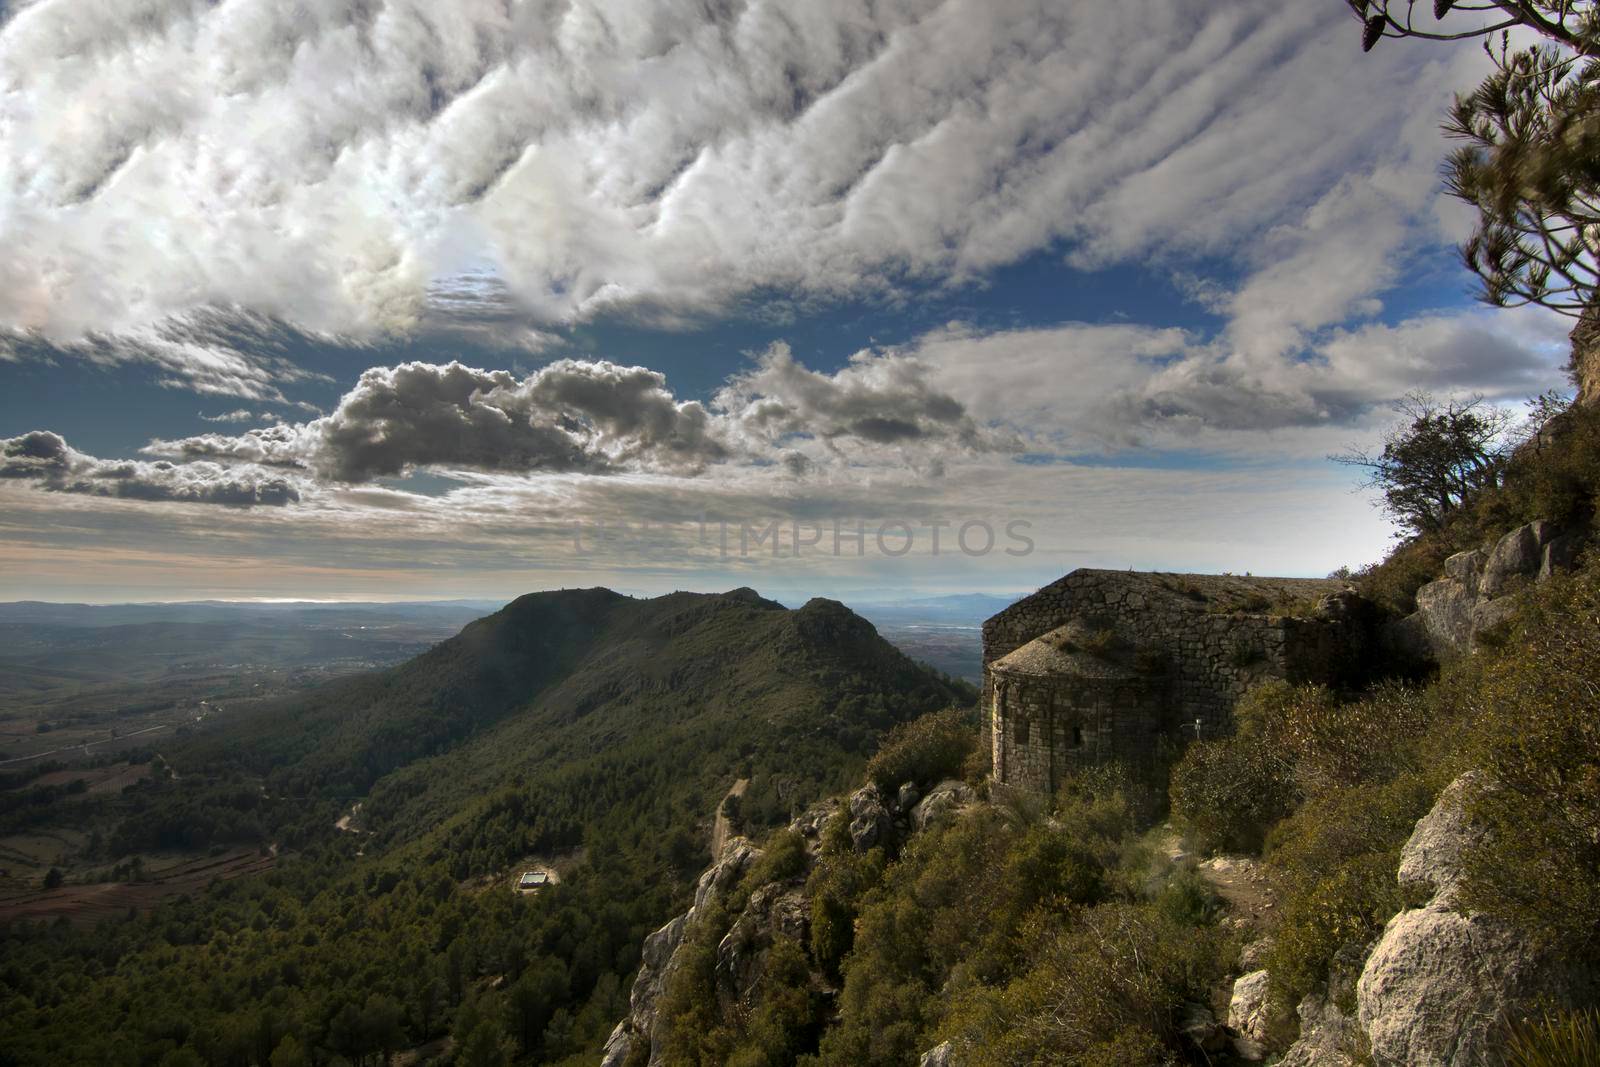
{"type": "Point", "coordinates": [465, 303]}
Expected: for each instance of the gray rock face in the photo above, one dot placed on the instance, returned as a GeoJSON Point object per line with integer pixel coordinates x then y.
{"type": "Point", "coordinates": [938, 1056]}
{"type": "Point", "coordinates": [1516, 555]}
{"type": "Point", "coordinates": [1439, 984]}
{"type": "Point", "coordinates": [870, 821]}
{"type": "Point", "coordinates": [1561, 554]}
{"type": "Point", "coordinates": [942, 800]}
{"type": "Point", "coordinates": [1432, 861]}
{"type": "Point", "coordinates": [737, 856]}
{"type": "Point", "coordinates": [774, 911]}
{"type": "Point", "coordinates": [656, 957]}
{"type": "Point", "coordinates": [1250, 1009]}
{"type": "Point", "coordinates": [618, 1045]}
{"type": "Point", "coordinates": [906, 798]}
{"type": "Point", "coordinates": [809, 823]}
{"type": "Point", "coordinates": [1328, 1037]}
{"type": "Point", "coordinates": [1474, 594]}
{"type": "Point", "coordinates": [1446, 610]}
{"type": "Point", "coordinates": [1436, 989]}
{"type": "Point", "coordinates": [1465, 567]}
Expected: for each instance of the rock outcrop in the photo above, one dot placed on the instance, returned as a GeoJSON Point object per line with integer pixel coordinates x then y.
{"type": "Point", "coordinates": [1586, 356]}
{"type": "Point", "coordinates": [778, 910]}
{"type": "Point", "coordinates": [942, 801]}
{"type": "Point", "coordinates": [1441, 983]}
{"type": "Point", "coordinates": [871, 823]}
{"type": "Point", "coordinates": [1249, 1009]}
{"type": "Point", "coordinates": [1328, 1037]}
{"type": "Point", "coordinates": [1477, 591]}
{"type": "Point", "coordinates": [660, 949]}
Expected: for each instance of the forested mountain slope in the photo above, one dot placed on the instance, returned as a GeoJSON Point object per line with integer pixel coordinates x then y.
{"type": "Point", "coordinates": [581, 723]}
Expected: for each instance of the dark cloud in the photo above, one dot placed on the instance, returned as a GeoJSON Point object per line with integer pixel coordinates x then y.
{"type": "Point", "coordinates": [881, 399]}
{"type": "Point", "coordinates": [591, 417]}
{"type": "Point", "coordinates": [45, 459]}
{"type": "Point", "coordinates": [598, 417]}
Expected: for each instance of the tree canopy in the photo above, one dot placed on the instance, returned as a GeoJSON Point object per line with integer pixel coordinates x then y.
{"type": "Point", "coordinates": [1440, 455]}
{"type": "Point", "coordinates": [1529, 161]}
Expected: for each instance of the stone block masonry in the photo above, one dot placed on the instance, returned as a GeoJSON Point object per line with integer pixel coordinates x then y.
{"type": "Point", "coordinates": [1103, 665]}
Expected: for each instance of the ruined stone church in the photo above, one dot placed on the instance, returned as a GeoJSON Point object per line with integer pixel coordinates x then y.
{"type": "Point", "coordinates": [1101, 665]}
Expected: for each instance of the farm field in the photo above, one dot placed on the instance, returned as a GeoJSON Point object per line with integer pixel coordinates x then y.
{"type": "Point", "coordinates": [88, 905]}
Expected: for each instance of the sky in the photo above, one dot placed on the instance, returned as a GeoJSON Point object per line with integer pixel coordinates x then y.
{"type": "Point", "coordinates": [387, 299]}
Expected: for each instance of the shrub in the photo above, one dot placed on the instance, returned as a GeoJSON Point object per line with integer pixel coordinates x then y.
{"type": "Point", "coordinates": [1534, 714]}
{"type": "Point", "coordinates": [1225, 794]}
{"type": "Point", "coordinates": [923, 751]}
{"type": "Point", "coordinates": [783, 857]}
{"type": "Point", "coordinates": [1322, 918]}
{"type": "Point", "coordinates": [1559, 1040]}
{"type": "Point", "coordinates": [1102, 643]}
{"type": "Point", "coordinates": [1105, 990]}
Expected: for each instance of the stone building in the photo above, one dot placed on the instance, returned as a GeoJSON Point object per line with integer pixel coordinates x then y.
{"type": "Point", "coordinates": [1101, 664]}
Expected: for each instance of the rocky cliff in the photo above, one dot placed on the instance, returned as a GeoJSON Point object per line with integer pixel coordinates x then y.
{"type": "Point", "coordinates": [1442, 981]}
{"type": "Point", "coordinates": [764, 914]}
{"type": "Point", "coordinates": [1476, 595]}
{"type": "Point", "coordinates": [1586, 357]}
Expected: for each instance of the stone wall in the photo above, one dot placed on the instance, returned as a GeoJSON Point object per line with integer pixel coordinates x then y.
{"type": "Point", "coordinates": [1045, 727]}
{"type": "Point", "coordinates": [1200, 641]}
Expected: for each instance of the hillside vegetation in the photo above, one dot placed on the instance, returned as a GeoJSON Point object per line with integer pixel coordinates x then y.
{"type": "Point", "coordinates": [581, 722]}
{"type": "Point", "coordinates": [1026, 931]}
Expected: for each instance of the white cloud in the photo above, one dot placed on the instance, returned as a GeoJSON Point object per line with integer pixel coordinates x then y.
{"type": "Point", "coordinates": [326, 166]}
{"type": "Point", "coordinates": [596, 417]}
{"type": "Point", "coordinates": [45, 460]}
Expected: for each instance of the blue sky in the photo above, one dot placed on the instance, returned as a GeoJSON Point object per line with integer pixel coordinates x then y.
{"type": "Point", "coordinates": [395, 306]}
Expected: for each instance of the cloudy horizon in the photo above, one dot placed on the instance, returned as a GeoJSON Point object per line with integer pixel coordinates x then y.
{"type": "Point", "coordinates": [403, 301]}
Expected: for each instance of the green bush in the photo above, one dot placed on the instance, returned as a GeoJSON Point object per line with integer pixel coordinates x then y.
{"type": "Point", "coordinates": [1563, 1039]}
{"type": "Point", "coordinates": [1322, 918]}
{"type": "Point", "coordinates": [1226, 794]}
{"type": "Point", "coordinates": [923, 751]}
{"type": "Point", "coordinates": [1534, 715]}
{"type": "Point", "coordinates": [1107, 989]}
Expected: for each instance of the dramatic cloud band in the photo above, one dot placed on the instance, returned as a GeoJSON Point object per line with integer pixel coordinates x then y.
{"type": "Point", "coordinates": [597, 417]}
{"type": "Point", "coordinates": [326, 165]}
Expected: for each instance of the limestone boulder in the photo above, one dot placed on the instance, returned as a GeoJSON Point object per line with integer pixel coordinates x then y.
{"type": "Point", "coordinates": [1561, 554]}
{"type": "Point", "coordinates": [1466, 568]}
{"type": "Point", "coordinates": [1440, 983]}
{"type": "Point", "coordinates": [1328, 1037]}
{"type": "Point", "coordinates": [1250, 1008]}
{"type": "Point", "coordinates": [1408, 640]}
{"type": "Point", "coordinates": [938, 1056]}
{"type": "Point", "coordinates": [1433, 860]}
{"type": "Point", "coordinates": [942, 800]}
{"type": "Point", "coordinates": [1516, 555]}
{"type": "Point", "coordinates": [1445, 607]}
{"type": "Point", "coordinates": [871, 824]}
{"type": "Point", "coordinates": [1489, 614]}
